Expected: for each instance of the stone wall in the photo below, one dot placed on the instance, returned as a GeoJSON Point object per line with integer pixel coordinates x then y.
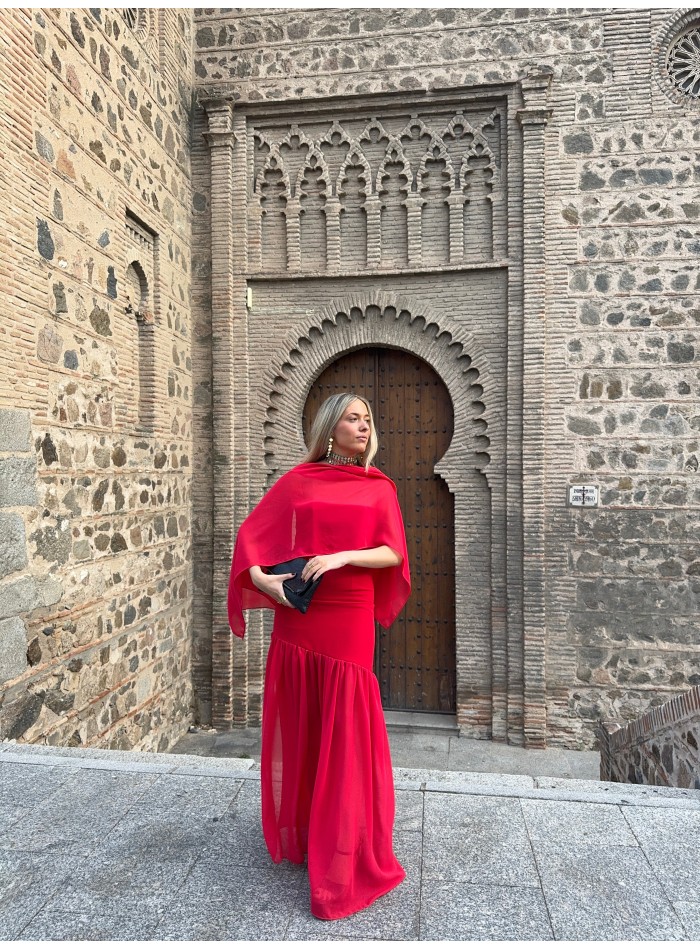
{"type": "Point", "coordinates": [95, 377]}
{"type": "Point", "coordinates": [620, 400]}
{"type": "Point", "coordinates": [659, 748]}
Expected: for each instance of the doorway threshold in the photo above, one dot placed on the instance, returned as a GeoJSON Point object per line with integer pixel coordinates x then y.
{"type": "Point", "coordinates": [401, 721]}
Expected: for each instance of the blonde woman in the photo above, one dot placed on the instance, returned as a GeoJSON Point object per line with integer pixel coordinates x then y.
{"type": "Point", "coordinates": [326, 782]}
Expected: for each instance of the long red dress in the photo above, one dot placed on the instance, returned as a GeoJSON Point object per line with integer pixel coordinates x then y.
{"type": "Point", "coordinates": [326, 781]}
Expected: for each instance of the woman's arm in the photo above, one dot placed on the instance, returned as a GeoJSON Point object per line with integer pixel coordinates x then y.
{"type": "Point", "coordinates": [383, 556]}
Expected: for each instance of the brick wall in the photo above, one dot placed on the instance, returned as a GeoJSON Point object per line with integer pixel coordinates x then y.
{"type": "Point", "coordinates": [659, 748]}
{"type": "Point", "coordinates": [95, 377]}
{"type": "Point", "coordinates": [620, 397]}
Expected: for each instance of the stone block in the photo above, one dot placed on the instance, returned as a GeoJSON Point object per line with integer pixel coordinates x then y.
{"type": "Point", "coordinates": [394, 916]}
{"type": "Point", "coordinates": [689, 914]}
{"type": "Point", "coordinates": [223, 918]}
{"type": "Point", "coordinates": [50, 590]}
{"type": "Point", "coordinates": [27, 785]}
{"type": "Point", "coordinates": [409, 811]}
{"type": "Point", "coordinates": [596, 893]}
{"type": "Point", "coordinates": [50, 924]}
{"type": "Point", "coordinates": [13, 544]}
{"type": "Point", "coordinates": [18, 596]}
{"type": "Point", "coordinates": [572, 824]}
{"type": "Point", "coordinates": [18, 715]}
{"type": "Point", "coordinates": [15, 430]}
{"type": "Point", "coordinates": [478, 840]}
{"type": "Point", "coordinates": [669, 839]}
{"type": "Point", "coordinates": [27, 883]}
{"type": "Point", "coordinates": [13, 648]}
{"type": "Point", "coordinates": [466, 912]}
{"type": "Point", "coordinates": [49, 345]}
{"type": "Point", "coordinates": [205, 796]}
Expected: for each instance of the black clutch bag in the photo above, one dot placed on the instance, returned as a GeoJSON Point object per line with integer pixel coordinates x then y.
{"type": "Point", "coordinates": [297, 591]}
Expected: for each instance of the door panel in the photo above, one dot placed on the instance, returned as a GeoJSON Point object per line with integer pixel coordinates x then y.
{"type": "Point", "coordinates": [415, 658]}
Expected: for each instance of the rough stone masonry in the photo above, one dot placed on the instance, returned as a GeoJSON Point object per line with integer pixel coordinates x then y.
{"type": "Point", "coordinates": [95, 387]}
{"type": "Point", "coordinates": [511, 195]}
{"type": "Point", "coordinates": [333, 139]}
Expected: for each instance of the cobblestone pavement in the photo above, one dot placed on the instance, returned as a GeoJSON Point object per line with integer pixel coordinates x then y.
{"type": "Point", "coordinates": [106, 845]}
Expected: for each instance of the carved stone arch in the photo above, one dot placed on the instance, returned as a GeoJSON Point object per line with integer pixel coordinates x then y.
{"type": "Point", "coordinates": [407, 133]}
{"type": "Point", "coordinates": [473, 467]}
{"type": "Point", "coordinates": [304, 141]}
{"type": "Point", "coordinates": [365, 136]}
{"type": "Point", "coordinates": [274, 162]}
{"type": "Point", "coordinates": [355, 157]}
{"type": "Point", "coordinates": [384, 319]}
{"type": "Point", "coordinates": [443, 154]}
{"type": "Point", "coordinates": [315, 152]}
{"type": "Point", "coordinates": [458, 120]}
{"type": "Point", "coordinates": [336, 130]}
{"type": "Point", "coordinates": [479, 143]}
{"type": "Point", "coordinates": [309, 231]}
{"type": "Point", "coordinates": [261, 141]}
{"type": "Point", "coordinates": [394, 153]}
{"type": "Point", "coordinates": [490, 122]}
{"type": "Point", "coordinates": [414, 123]}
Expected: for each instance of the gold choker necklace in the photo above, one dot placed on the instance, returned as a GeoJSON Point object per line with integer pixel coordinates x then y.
{"type": "Point", "coordinates": [334, 459]}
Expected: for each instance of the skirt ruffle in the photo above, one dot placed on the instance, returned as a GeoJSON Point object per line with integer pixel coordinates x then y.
{"type": "Point", "coordinates": [327, 785]}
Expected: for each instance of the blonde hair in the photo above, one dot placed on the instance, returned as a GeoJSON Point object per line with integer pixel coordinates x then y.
{"type": "Point", "coordinates": [327, 418]}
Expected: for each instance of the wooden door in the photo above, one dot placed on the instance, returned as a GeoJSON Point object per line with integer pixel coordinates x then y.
{"type": "Point", "coordinates": [415, 659]}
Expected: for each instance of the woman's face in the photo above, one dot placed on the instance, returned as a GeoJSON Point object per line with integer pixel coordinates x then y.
{"type": "Point", "coordinates": [351, 434]}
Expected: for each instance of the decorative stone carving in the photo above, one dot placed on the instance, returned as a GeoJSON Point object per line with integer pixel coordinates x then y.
{"type": "Point", "coordinates": [392, 192]}
{"type": "Point", "coordinates": [677, 52]}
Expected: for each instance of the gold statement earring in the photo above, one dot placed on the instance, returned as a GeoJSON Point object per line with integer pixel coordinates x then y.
{"type": "Point", "coordinates": [330, 447]}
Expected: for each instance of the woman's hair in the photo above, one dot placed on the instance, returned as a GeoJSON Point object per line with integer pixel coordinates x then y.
{"type": "Point", "coordinates": [327, 418]}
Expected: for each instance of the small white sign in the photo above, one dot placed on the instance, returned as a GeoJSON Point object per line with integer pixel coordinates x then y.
{"type": "Point", "coordinates": [583, 496]}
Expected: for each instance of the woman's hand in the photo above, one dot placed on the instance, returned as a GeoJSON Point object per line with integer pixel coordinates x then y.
{"type": "Point", "coordinates": [271, 584]}
{"type": "Point", "coordinates": [318, 565]}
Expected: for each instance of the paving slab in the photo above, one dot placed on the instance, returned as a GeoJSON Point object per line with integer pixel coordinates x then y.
{"type": "Point", "coordinates": [452, 910]}
{"type": "Point", "coordinates": [27, 882]}
{"type": "Point", "coordinates": [409, 811]}
{"type": "Point", "coordinates": [395, 916]}
{"type": "Point", "coordinates": [477, 840]}
{"type": "Point", "coordinates": [123, 925]}
{"type": "Point", "coordinates": [202, 795]}
{"type": "Point", "coordinates": [577, 823]}
{"type": "Point", "coordinates": [426, 742]}
{"type": "Point", "coordinates": [408, 848]}
{"type": "Point", "coordinates": [670, 840]}
{"type": "Point", "coordinates": [688, 913]}
{"type": "Point", "coordinates": [419, 758]}
{"type": "Point", "coordinates": [597, 893]}
{"type": "Point", "coordinates": [144, 846]}
{"type": "Point", "coordinates": [26, 785]}
{"type": "Point", "coordinates": [223, 919]}
{"type": "Point", "coordinates": [651, 792]}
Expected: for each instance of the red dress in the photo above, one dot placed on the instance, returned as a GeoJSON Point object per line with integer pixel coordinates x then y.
{"type": "Point", "coordinates": [326, 780]}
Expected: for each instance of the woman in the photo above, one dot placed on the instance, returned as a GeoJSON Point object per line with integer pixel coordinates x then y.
{"type": "Point", "coordinates": [327, 787]}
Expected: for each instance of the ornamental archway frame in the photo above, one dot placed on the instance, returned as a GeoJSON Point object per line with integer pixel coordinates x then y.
{"type": "Point", "coordinates": [241, 467]}
{"type": "Point", "coordinates": [473, 468]}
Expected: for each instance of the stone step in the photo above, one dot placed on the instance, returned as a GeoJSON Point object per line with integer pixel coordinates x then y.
{"type": "Point", "coordinates": [491, 784]}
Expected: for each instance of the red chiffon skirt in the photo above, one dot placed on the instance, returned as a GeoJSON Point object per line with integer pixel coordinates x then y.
{"type": "Point", "coordinates": [327, 786]}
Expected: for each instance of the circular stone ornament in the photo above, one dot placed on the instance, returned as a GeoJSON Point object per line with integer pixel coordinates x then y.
{"type": "Point", "coordinates": [677, 51]}
{"type": "Point", "coordinates": [684, 63]}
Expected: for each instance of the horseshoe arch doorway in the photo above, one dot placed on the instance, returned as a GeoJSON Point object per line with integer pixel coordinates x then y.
{"type": "Point", "coordinates": [415, 660]}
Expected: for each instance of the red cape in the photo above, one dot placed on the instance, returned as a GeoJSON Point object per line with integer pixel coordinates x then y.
{"type": "Point", "coordinates": [321, 509]}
